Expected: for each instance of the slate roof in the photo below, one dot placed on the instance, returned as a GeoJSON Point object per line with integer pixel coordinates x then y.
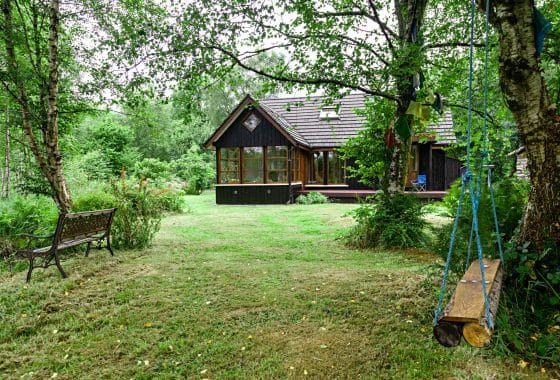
{"type": "Point", "coordinates": [303, 115]}
{"type": "Point", "coordinates": [300, 117]}
{"type": "Point", "coordinates": [284, 124]}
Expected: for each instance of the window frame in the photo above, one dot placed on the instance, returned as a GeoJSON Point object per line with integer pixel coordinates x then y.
{"type": "Point", "coordinates": [221, 170]}
{"type": "Point", "coordinates": [284, 158]}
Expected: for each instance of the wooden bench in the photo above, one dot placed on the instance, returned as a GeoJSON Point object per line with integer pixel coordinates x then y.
{"type": "Point", "coordinates": [71, 230]}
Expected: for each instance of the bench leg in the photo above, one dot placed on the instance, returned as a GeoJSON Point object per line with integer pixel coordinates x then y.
{"type": "Point", "coordinates": [109, 246]}
{"type": "Point", "coordinates": [30, 270]}
{"type": "Point", "coordinates": [87, 249]}
{"type": "Point", "coordinates": [57, 261]}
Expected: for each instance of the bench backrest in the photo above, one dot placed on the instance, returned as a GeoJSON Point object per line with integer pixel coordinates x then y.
{"type": "Point", "coordinates": [83, 225]}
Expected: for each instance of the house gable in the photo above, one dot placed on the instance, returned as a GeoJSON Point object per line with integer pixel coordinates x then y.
{"type": "Point", "coordinates": [265, 134]}
{"type": "Point", "coordinates": [271, 130]}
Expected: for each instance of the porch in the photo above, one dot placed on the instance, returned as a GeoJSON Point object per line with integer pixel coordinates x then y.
{"type": "Point", "coordinates": [352, 194]}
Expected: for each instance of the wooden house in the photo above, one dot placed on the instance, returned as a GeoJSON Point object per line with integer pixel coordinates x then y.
{"type": "Point", "coordinates": [269, 151]}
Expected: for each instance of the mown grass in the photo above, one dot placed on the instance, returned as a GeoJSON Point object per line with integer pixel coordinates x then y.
{"type": "Point", "coordinates": [236, 292]}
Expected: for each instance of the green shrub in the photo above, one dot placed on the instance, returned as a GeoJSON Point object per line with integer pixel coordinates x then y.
{"type": "Point", "coordinates": [171, 200]}
{"type": "Point", "coordinates": [436, 208]}
{"type": "Point", "coordinates": [138, 216]}
{"type": "Point", "coordinates": [510, 197]}
{"type": "Point", "coordinates": [312, 198]}
{"type": "Point", "coordinates": [97, 200]}
{"type": "Point", "coordinates": [197, 168]}
{"type": "Point", "coordinates": [529, 314]}
{"type": "Point", "coordinates": [29, 214]}
{"type": "Point", "coordinates": [388, 222]}
{"type": "Point", "coordinates": [153, 168]}
{"type": "Point", "coordinates": [92, 165]}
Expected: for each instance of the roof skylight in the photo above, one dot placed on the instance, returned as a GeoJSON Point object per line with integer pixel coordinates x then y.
{"type": "Point", "coordinates": [329, 113]}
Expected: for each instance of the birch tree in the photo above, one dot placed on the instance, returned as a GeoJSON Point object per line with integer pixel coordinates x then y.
{"type": "Point", "coordinates": [536, 115]}
{"type": "Point", "coordinates": [32, 80]}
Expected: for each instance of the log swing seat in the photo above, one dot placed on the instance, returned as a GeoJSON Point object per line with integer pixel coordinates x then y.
{"type": "Point", "coordinates": [472, 309]}
{"type": "Point", "coordinates": [465, 312]}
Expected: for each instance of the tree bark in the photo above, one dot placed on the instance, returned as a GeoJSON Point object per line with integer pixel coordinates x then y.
{"type": "Point", "coordinates": [59, 184]}
{"type": "Point", "coordinates": [537, 120]}
{"type": "Point", "coordinates": [410, 16]}
{"type": "Point", "coordinates": [6, 173]}
{"type": "Point", "coordinates": [47, 153]}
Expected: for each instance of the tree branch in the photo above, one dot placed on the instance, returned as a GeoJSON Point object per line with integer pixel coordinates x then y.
{"type": "Point", "coordinates": [451, 44]}
{"type": "Point", "coordinates": [477, 111]}
{"type": "Point", "coordinates": [304, 81]}
{"type": "Point", "coordinates": [384, 28]}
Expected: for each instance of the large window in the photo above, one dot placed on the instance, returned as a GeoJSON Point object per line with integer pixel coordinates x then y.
{"type": "Point", "coordinates": [296, 165]}
{"type": "Point", "coordinates": [317, 168]}
{"type": "Point", "coordinates": [229, 165]}
{"type": "Point", "coordinates": [253, 165]}
{"type": "Point", "coordinates": [336, 169]}
{"type": "Point", "coordinates": [277, 163]}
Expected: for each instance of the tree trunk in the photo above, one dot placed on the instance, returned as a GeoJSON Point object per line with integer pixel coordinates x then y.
{"type": "Point", "coordinates": [410, 16]}
{"type": "Point", "coordinates": [47, 154]}
{"type": "Point", "coordinates": [537, 121]}
{"type": "Point", "coordinates": [6, 173]}
{"type": "Point", "coordinates": [58, 183]}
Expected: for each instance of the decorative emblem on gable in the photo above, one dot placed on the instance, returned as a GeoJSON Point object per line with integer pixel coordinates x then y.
{"type": "Point", "coordinates": [251, 122]}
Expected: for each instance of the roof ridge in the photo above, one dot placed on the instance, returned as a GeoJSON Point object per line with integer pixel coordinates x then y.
{"type": "Point", "coordinates": [307, 97]}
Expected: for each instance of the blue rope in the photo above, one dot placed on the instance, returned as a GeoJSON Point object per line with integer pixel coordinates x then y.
{"type": "Point", "coordinates": [475, 190]}
{"type": "Point", "coordinates": [469, 249]}
{"type": "Point", "coordinates": [466, 179]}
{"type": "Point", "coordinates": [499, 237]}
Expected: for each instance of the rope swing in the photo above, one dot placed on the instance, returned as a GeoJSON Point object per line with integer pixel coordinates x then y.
{"type": "Point", "coordinates": [471, 311]}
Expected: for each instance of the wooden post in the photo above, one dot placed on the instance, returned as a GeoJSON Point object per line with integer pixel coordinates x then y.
{"type": "Point", "coordinates": [325, 168]}
{"type": "Point", "coordinates": [218, 165]}
{"type": "Point", "coordinates": [290, 190]}
{"type": "Point", "coordinates": [265, 164]}
{"type": "Point", "coordinates": [430, 168]}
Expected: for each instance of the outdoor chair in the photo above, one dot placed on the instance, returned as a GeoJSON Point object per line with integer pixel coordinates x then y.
{"type": "Point", "coordinates": [420, 183]}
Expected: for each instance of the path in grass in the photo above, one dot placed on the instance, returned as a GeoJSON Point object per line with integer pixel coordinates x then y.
{"type": "Point", "coordinates": [234, 292]}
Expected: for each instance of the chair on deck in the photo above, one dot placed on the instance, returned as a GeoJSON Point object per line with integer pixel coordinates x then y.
{"type": "Point", "coordinates": [420, 183]}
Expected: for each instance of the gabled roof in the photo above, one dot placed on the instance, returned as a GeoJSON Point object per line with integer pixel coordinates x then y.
{"type": "Point", "coordinates": [298, 119]}
{"type": "Point", "coordinates": [302, 113]}
{"type": "Point", "coordinates": [276, 120]}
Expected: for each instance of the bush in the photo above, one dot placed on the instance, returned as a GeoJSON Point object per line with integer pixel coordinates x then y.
{"type": "Point", "coordinates": [97, 200]}
{"type": "Point", "coordinates": [30, 214]}
{"type": "Point", "coordinates": [138, 216]}
{"type": "Point", "coordinates": [510, 197]}
{"type": "Point", "coordinates": [528, 319]}
{"type": "Point", "coordinates": [171, 200]}
{"type": "Point", "coordinates": [197, 168]}
{"type": "Point", "coordinates": [312, 198]}
{"type": "Point", "coordinates": [153, 168]}
{"type": "Point", "coordinates": [388, 222]}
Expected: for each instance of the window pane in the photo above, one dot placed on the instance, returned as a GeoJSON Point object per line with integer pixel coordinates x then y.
{"type": "Point", "coordinates": [229, 165]}
{"type": "Point", "coordinates": [277, 151]}
{"type": "Point", "coordinates": [296, 172]}
{"type": "Point", "coordinates": [317, 168]}
{"type": "Point", "coordinates": [336, 169]}
{"type": "Point", "coordinates": [277, 163]}
{"type": "Point", "coordinates": [253, 165]}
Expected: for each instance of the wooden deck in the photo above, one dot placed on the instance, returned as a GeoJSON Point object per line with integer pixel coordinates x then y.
{"type": "Point", "coordinates": [354, 194]}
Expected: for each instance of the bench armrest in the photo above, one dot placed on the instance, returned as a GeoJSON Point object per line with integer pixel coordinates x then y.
{"type": "Point", "coordinates": [29, 239]}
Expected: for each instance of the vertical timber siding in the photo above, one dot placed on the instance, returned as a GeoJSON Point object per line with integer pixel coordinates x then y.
{"type": "Point", "coordinates": [257, 194]}
{"type": "Point", "coordinates": [239, 136]}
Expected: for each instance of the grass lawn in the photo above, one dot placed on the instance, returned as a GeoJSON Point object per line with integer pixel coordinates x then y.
{"type": "Point", "coordinates": [235, 292]}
